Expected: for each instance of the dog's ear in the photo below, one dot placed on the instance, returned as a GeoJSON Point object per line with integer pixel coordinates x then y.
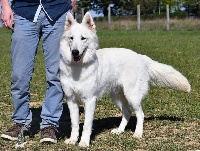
{"type": "Point", "coordinates": [88, 21]}
{"type": "Point", "coordinates": [69, 21]}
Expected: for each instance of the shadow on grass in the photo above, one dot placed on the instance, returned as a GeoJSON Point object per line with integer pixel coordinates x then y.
{"type": "Point", "coordinates": [99, 125]}
{"type": "Point", "coordinates": [65, 122]}
{"type": "Point", "coordinates": [113, 122]}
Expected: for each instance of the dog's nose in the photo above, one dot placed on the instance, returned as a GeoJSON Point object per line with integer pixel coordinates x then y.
{"type": "Point", "coordinates": [75, 52]}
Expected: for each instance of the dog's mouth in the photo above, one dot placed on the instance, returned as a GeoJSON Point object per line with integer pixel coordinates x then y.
{"type": "Point", "coordinates": [76, 56]}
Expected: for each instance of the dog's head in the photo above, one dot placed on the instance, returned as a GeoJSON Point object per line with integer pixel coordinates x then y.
{"type": "Point", "coordinates": [79, 42]}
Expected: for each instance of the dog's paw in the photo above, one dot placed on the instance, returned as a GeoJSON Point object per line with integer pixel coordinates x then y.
{"type": "Point", "coordinates": [137, 135]}
{"type": "Point", "coordinates": [83, 144]}
{"type": "Point", "coordinates": [70, 141]}
{"type": "Point", "coordinates": [117, 131]}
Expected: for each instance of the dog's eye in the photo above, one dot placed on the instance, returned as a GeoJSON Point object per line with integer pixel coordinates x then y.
{"type": "Point", "coordinates": [83, 38]}
{"type": "Point", "coordinates": [71, 38]}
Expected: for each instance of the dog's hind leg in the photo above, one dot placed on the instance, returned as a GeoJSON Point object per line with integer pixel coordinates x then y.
{"type": "Point", "coordinates": [134, 100]}
{"type": "Point", "coordinates": [90, 105]}
{"type": "Point", "coordinates": [140, 120]}
{"type": "Point", "coordinates": [121, 103]}
{"type": "Point", "coordinates": [74, 115]}
{"type": "Point", "coordinates": [135, 91]}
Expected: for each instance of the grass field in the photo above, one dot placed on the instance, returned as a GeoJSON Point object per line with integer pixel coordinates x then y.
{"type": "Point", "coordinates": [146, 25]}
{"type": "Point", "coordinates": [172, 118]}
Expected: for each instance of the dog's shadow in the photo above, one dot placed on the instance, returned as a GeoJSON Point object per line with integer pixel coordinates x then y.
{"type": "Point", "coordinates": [99, 125]}
{"type": "Point", "coordinates": [109, 123]}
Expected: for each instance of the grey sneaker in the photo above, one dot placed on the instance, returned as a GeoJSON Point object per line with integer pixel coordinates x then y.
{"type": "Point", "coordinates": [48, 135]}
{"type": "Point", "coordinates": [12, 132]}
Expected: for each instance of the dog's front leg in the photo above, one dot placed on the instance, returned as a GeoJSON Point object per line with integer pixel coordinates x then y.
{"type": "Point", "coordinates": [74, 115]}
{"type": "Point", "coordinates": [90, 105]}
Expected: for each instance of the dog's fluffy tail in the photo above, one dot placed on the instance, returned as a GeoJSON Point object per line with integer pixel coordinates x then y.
{"type": "Point", "coordinates": [165, 75]}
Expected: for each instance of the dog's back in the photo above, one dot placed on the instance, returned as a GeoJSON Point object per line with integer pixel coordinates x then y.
{"type": "Point", "coordinates": [119, 67]}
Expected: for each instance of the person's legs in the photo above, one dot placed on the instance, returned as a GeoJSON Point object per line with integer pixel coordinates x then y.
{"type": "Point", "coordinates": [52, 105]}
{"type": "Point", "coordinates": [25, 38]}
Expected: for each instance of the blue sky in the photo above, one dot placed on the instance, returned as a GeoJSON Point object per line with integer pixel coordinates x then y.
{"type": "Point", "coordinates": [94, 14]}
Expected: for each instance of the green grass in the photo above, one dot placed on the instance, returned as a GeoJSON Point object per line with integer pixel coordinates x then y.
{"type": "Point", "coordinates": [172, 117]}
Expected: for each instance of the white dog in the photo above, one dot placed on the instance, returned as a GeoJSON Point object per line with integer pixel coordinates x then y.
{"type": "Point", "coordinates": [87, 73]}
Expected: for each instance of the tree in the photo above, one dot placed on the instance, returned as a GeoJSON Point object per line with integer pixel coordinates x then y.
{"type": "Point", "coordinates": [128, 7]}
{"type": "Point", "coordinates": [122, 7]}
{"type": "Point", "coordinates": [192, 7]}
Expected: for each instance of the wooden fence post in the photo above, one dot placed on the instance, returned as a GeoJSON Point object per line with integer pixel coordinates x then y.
{"type": "Point", "coordinates": [138, 17]}
{"type": "Point", "coordinates": [159, 8]}
{"type": "Point", "coordinates": [109, 14]}
{"type": "Point", "coordinates": [167, 15]}
{"type": "Point", "coordinates": [82, 12]}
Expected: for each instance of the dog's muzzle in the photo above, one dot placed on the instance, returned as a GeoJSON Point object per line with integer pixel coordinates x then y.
{"type": "Point", "coordinates": [76, 55]}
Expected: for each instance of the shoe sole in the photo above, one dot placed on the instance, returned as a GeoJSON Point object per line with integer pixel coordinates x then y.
{"type": "Point", "coordinates": [4, 136]}
{"type": "Point", "coordinates": [48, 140]}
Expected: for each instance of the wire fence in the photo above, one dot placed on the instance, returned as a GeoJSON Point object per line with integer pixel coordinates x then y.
{"type": "Point", "coordinates": [138, 16]}
{"type": "Point", "coordinates": [109, 17]}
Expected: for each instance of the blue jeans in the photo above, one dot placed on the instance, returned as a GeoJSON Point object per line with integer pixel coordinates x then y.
{"type": "Point", "coordinates": [25, 39]}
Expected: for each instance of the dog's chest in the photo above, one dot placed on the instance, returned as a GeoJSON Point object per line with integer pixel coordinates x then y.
{"type": "Point", "coordinates": [80, 81]}
{"type": "Point", "coordinates": [82, 89]}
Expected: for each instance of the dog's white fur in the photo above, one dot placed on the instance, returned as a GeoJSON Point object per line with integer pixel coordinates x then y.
{"type": "Point", "coordinates": [124, 74]}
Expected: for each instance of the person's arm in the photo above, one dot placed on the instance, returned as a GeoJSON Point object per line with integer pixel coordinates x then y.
{"type": "Point", "coordinates": [73, 5]}
{"type": "Point", "coordinates": [7, 14]}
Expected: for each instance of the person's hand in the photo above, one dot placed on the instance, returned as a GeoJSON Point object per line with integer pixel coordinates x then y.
{"type": "Point", "coordinates": [7, 16]}
{"type": "Point", "coordinates": [73, 5]}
